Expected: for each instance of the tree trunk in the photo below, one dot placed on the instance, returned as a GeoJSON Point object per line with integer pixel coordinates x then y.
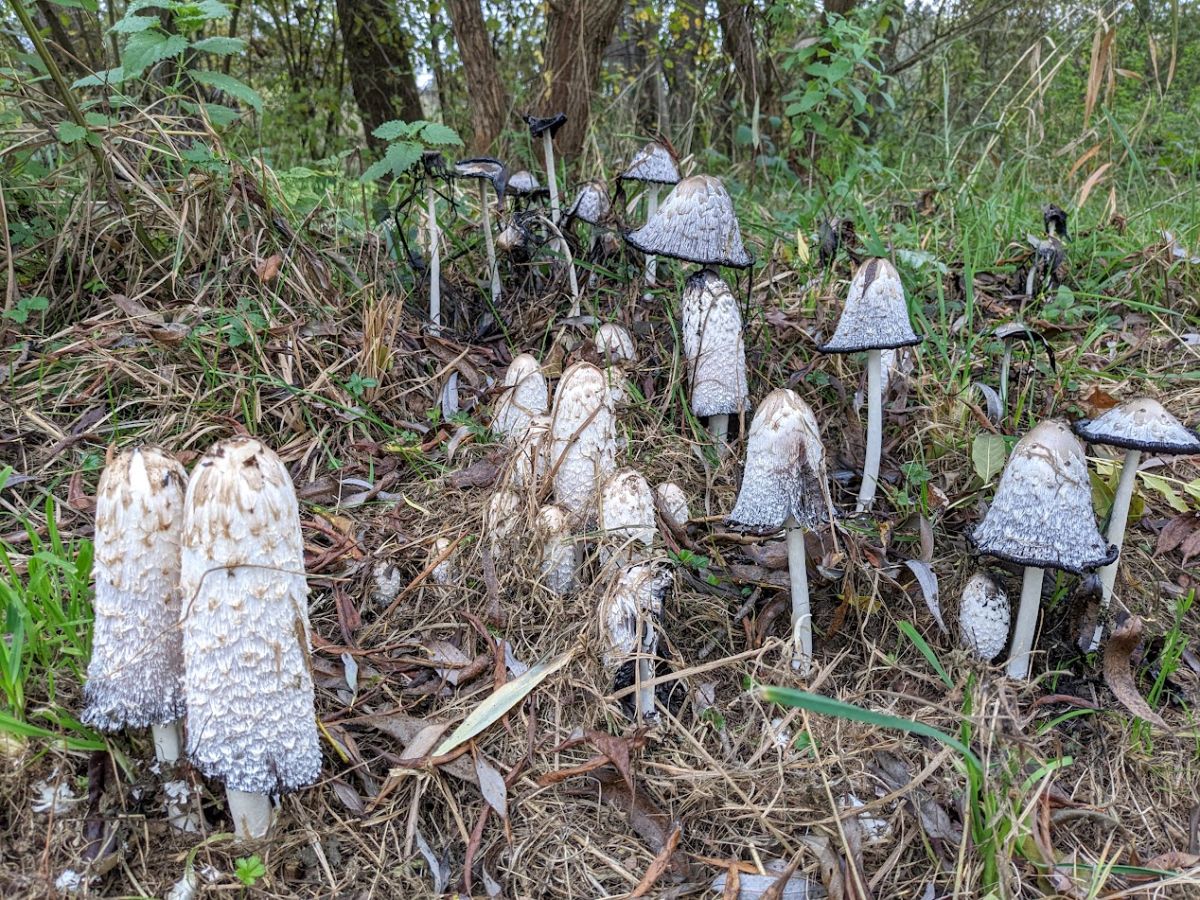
{"type": "Point", "coordinates": [679, 67]}
{"type": "Point", "coordinates": [378, 56]}
{"type": "Point", "coordinates": [577, 33]}
{"type": "Point", "coordinates": [489, 100]}
{"type": "Point", "coordinates": [736, 18]}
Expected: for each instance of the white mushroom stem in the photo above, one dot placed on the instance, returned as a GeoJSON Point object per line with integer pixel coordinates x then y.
{"type": "Point", "coordinates": [802, 642]}
{"type": "Point", "coordinates": [874, 450]}
{"type": "Point", "coordinates": [493, 270]}
{"type": "Point", "coordinates": [251, 814]}
{"type": "Point", "coordinates": [551, 177]}
{"type": "Point", "coordinates": [1027, 619]}
{"type": "Point", "coordinates": [560, 245]}
{"type": "Point", "coordinates": [1005, 364]}
{"type": "Point", "coordinates": [651, 209]}
{"type": "Point", "coordinates": [1117, 520]}
{"type": "Point", "coordinates": [645, 672]}
{"type": "Point", "coordinates": [168, 739]}
{"type": "Point", "coordinates": [435, 258]}
{"type": "Point", "coordinates": [718, 424]}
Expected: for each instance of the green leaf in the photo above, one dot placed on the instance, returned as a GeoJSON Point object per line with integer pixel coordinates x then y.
{"type": "Point", "coordinates": [146, 48]}
{"type": "Point", "coordinates": [988, 452]}
{"type": "Point", "coordinates": [134, 24]}
{"type": "Point", "coordinates": [390, 131]}
{"type": "Point", "coordinates": [222, 46]}
{"type": "Point", "coordinates": [398, 159]}
{"type": "Point", "coordinates": [220, 115]}
{"type": "Point", "coordinates": [440, 135]}
{"type": "Point", "coordinates": [922, 645]}
{"type": "Point", "coordinates": [89, 5]}
{"type": "Point", "coordinates": [102, 78]}
{"type": "Point", "coordinates": [70, 133]}
{"type": "Point", "coordinates": [229, 85]}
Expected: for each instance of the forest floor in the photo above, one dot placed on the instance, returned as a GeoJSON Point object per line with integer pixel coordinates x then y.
{"type": "Point", "coordinates": [251, 327]}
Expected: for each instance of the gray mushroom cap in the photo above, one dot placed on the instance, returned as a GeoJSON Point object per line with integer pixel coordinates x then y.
{"type": "Point", "coordinates": [1140, 424]}
{"type": "Point", "coordinates": [696, 223]}
{"type": "Point", "coordinates": [1042, 514]}
{"type": "Point", "coordinates": [784, 482]}
{"type": "Point", "coordinates": [522, 184]}
{"type": "Point", "coordinates": [486, 168]}
{"type": "Point", "coordinates": [652, 164]}
{"type": "Point", "coordinates": [592, 203]}
{"type": "Point", "coordinates": [714, 346]}
{"type": "Point", "coordinates": [875, 316]}
{"type": "Point", "coordinates": [983, 617]}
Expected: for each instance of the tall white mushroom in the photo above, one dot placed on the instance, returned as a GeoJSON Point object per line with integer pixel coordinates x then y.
{"type": "Point", "coordinates": [696, 223]}
{"type": "Point", "coordinates": [528, 461]}
{"type": "Point", "coordinates": [874, 319]}
{"type": "Point", "coordinates": [1136, 427]}
{"type": "Point", "coordinates": [983, 617]}
{"type": "Point", "coordinates": [486, 170]}
{"type": "Point", "coordinates": [583, 436]}
{"type": "Point", "coordinates": [627, 518]}
{"type": "Point", "coordinates": [246, 639]}
{"type": "Point", "coordinates": [716, 354]}
{"type": "Point", "coordinates": [524, 398]}
{"type": "Point", "coordinates": [502, 522]}
{"type": "Point", "coordinates": [785, 486]}
{"type": "Point", "coordinates": [1042, 518]}
{"type": "Point", "coordinates": [630, 612]}
{"type": "Point", "coordinates": [653, 166]}
{"type": "Point", "coordinates": [434, 165]}
{"type": "Point", "coordinates": [545, 128]}
{"type": "Point", "coordinates": [560, 558]}
{"type": "Point", "coordinates": [673, 502]}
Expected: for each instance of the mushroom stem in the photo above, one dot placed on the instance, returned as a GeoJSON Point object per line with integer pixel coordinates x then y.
{"type": "Point", "coordinates": [1117, 520]}
{"type": "Point", "coordinates": [1005, 364]}
{"type": "Point", "coordinates": [651, 209]}
{"type": "Point", "coordinates": [168, 739]}
{"type": "Point", "coordinates": [493, 270]}
{"type": "Point", "coordinates": [645, 672]}
{"type": "Point", "coordinates": [801, 612]}
{"type": "Point", "coordinates": [870, 479]}
{"type": "Point", "coordinates": [435, 259]}
{"type": "Point", "coordinates": [718, 424]}
{"type": "Point", "coordinates": [560, 245]}
{"type": "Point", "coordinates": [251, 814]}
{"type": "Point", "coordinates": [1027, 618]}
{"type": "Point", "coordinates": [551, 177]}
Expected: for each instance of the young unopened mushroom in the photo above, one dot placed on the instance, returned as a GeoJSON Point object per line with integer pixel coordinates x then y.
{"type": "Point", "coordinates": [653, 166]}
{"type": "Point", "coordinates": [1136, 426]}
{"type": "Point", "coordinates": [875, 318]}
{"type": "Point", "coordinates": [486, 170]}
{"type": "Point", "coordinates": [593, 207]}
{"type": "Point", "coordinates": [502, 522]}
{"type": "Point", "coordinates": [630, 612]}
{"type": "Point", "coordinates": [525, 397]}
{"type": "Point", "coordinates": [445, 572]}
{"type": "Point", "coordinates": [528, 462]}
{"type": "Point", "coordinates": [673, 502]}
{"type": "Point", "coordinates": [627, 518]}
{"type": "Point", "coordinates": [696, 223]}
{"type": "Point", "coordinates": [583, 436]}
{"type": "Point", "coordinates": [559, 550]}
{"type": "Point", "coordinates": [716, 354]}
{"type": "Point", "coordinates": [983, 617]}
{"type": "Point", "coordinates": [785, 486]}
{"type": "Point", "coordinates": [545, 128]}
{"type": "Point", "coordinates": [246, 638]}
{"type": "Point", "coordinates": [1042, 518]}
{"type": "Point", "coordinates": [615, 345]}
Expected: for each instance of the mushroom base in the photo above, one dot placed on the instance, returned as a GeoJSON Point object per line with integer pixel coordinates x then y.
{"type": "Point", "coordinates": [251, 814]}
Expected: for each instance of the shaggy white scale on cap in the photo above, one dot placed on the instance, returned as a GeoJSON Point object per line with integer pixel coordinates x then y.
{"type": "Point", "coordinates": [558, 549]}
{"type": "Point", "coordinates": [1042, 514]}
{"type": "Point", "coordinates": [528, 461]}
{"type": "Point", "coordinates": [674, 503]}
{"type": "Point", "coordinates": [1140, 424]}
{"type": "Point", "coordinates": [614, 343]}
{"type": "Point", "coordinates": [654, 164]}
{"type": "Point", "coordinates": [592, 204]}
{"type": "Point", "coordinates": [875, 316]}
{"type": "Point", "coordinates": [696, 223]}
{"type": "Point", "coordinates": [712, 342]}
{"type": "Point", "coordinates": [583, 436]}
{"type": "Point", "coordinates": [627, 515]}
{"type": "Point", "coordinates": [983, 617]}
{"type": "Point", "coordinates": [445, 572]}
{"type": "Point", "coordinates": [135, 677]}
{"type": "Point", "coordinates": [632, 608]}
{"type": "Point", "coordinates": [525, 396]}
{"type": "Point", "coordinates": [784, 482]}
{"type": "Point", "coordinates": [251, 722]}
{"type": "Point", "coordinates": [502, 521]}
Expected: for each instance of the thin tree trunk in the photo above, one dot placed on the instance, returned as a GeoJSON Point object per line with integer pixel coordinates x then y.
{"type": "Point", "coordinates": [679, 67]}
{"type": "Point", "coordinates": [485, 90]}
{"type": "Point", "coordinates": [736, 18]}
{"type": "Point", "coordinates": [378, 56]}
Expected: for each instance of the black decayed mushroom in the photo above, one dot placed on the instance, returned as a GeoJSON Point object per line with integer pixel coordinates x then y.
{"type": "Point", "coordinates": [653, 166]}
{"type": "Point", "coordinates": [1042, 518]}
{"type": "Point", "coordinates": [545, 128]}
{"type": "Point", "coordinates": [696, 223]}
{"type": "Point", "coordinates": [1136, 427]}
{"type": "Point", "coordinates": [486, 170]}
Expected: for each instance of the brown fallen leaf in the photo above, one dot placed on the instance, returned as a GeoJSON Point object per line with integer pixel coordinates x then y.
{"type": "Point", "coordinates": [1175, 532]}
{"type": "Point", "coordinates": [480, 473]}
{"type": "Point", "coordinates": [1170, 861]}
{"type": "Point", "coordinates": [268, 269]}
{"type": "Point", "coordinates": [1097, 400]}
{"type": "Point", "coordinates": [656, 869]}
{"type": "Point", "coordinates": [1118, 671]}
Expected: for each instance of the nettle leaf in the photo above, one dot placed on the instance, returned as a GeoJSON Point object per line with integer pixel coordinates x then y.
{"type": "Point", "coordinates": [221, 46]}
{"type": "Point", "coordinates": [134, 24]}
{"type": "Point", "coordinates": [70, 133]}
{"type": "Point", "coordinates": [212, 10]}
{"type": "Point", "coordinates": [390, 131]}
{"type": "Point", "coordinates": [440, 135]}
{"type": "Point", "coordinates": [146, 48]}
{"type": "Point", "coordinates": [103, 78]}
{"type": "Point", "coordinates": [227, 84]}
{"type": "Point", "coordinates": [399, 158]}
{"type": "Point", "coordinates": [89, 5]}
{"type": "Point", "coordinates": [220, 115]}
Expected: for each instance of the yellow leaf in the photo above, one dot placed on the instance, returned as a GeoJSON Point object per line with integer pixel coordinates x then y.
{"type": "Point", "coordinates": [801, 247]}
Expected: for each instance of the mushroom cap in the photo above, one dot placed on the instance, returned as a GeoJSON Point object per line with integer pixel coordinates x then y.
{"type": "Point", "coordinates": [983, 617]}
{"type": "Point", "coordinates": [522, 184]}
{"type": "Point", "coordinates": [583, 435]}
{"type": "Point", "coordinates": [486, 167]}
{"type": "Point", "coordinates": [627, 511]}
{"type": "Point", "coordinates": [538, 124]}
{"type": "Point", "coordinates": [558, 549]}
{"type": "Point", "coordinates": [636, 592]}
{"type": "Point", "coordinates": [713, 344]}
{"type": "Point", "coordinates": [1140, 424]}
{"type": "Point", "coordinates": [1042, 514]}
{"type": "Point", "coordinates": [614, 343]}
{"type": "Point", "coordinates": [246, 643]}
{"type": "Point", "coordinates": [652, 164]}
{"type": "Point", "coordinates": [525, 397]}
{"type": "Point", "coordinates": [445, 572]}
{"type": "Point", "coordinates": [135, 676]}
{"type": "Point", "coordinates": [591, 204]}
{"type": "Point", "coordinates": [875, 316]}
{"type": "Point", "coordinates": [674, 503]}
{"type": "Point", "coordinates": [696, 223]}
{"type": "Point", "coordinates": [512, 237]}
{"type": "Point", "coordinates": [528, 461]}
{"type": "Point", "coordinates": [784, 482]}
{"type": "Point", "coordinates": [502, 521]}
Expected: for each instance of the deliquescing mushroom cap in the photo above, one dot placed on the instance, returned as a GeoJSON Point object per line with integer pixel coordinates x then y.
{"type": "Point", "coordinates": [627, 509]}
{"type": "Point", "coordinates": [614, 343]}
{"type": "Point", "coordinates": [674, 503]}
{"type": "Point", "coordinates": [636, 592]}
{"type": "Point", "coordinates": [983, 617]}
{"type": "Point", "coordinates": [713, 344]}
{"type": "Point", "coordinates": [1042, 514]}
{"type": "Point", "coordinates": [583, 435]}
{"type": "Point", "coordinates": [525, 397]}
{"type": "Point", "coordinates": [538, 124]}
{"type": "Point", "coordinates": [785, 481]}
{"type": "Point", "coordinates": [652, 164]}
{"type": "Point", "coordinates": [135, 676]}
{"type": "Point", "coordinates": [558, 549]}
{"type": "Point", "coordinates": [522, 184]}
{"type": "Point", "coordinates": [696, 223]}
{"type": "Point", "coordinates": [1140, 424]}
{"type": "Point", "coordinates": [591, 204]}
{"type": "Point", "coordinates": [875, 316]}
{"type": "Point", "coordinates": [246, 640]}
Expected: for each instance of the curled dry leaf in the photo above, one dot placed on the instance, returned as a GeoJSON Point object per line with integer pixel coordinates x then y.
{"type": "Point", "coordinates": [492, 785]}
{"type": "Point", "coordinates": [268, 269]}
{"type": "Point", "coordinates": [1118, 671]}
{"type": "Point", "coordinates": [927, 580]}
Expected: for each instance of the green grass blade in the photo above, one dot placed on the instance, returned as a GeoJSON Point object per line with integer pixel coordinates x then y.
{"type": "Point", "coordinates": [921, 644]}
